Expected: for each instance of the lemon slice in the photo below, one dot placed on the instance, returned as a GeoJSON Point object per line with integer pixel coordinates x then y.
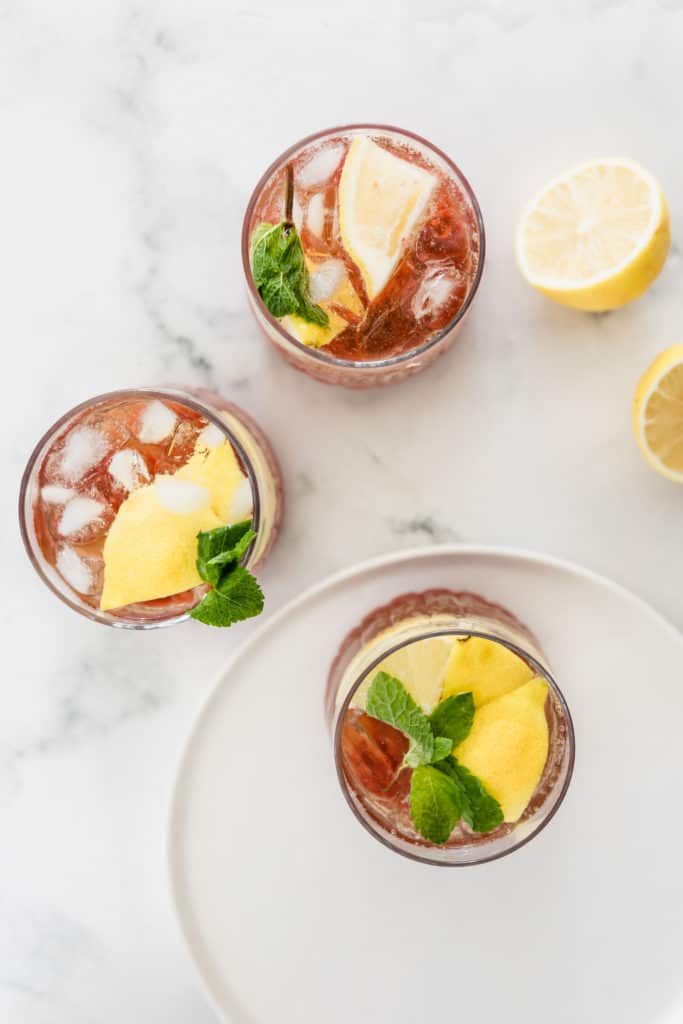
{"type": "Point", "coordinates": [420, 666]}
{"type": "Point", "coordinates": [596, 237]}
{"type": "Point", "coordinates": [507, 747]}
{"type": "Point", "coordinates": [151, 548]}
{"type": "Point", "coordinates": [658, 413]}
{"type": "Point", "coordinates": [485, 668]}
{"type": "Point", "coordinates": [381, 201]}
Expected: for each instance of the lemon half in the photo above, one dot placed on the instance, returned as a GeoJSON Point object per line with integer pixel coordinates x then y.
{"type": "Point", "coordinates": [658, 413]}
{"type": "Point", "coordinates": [596, 237]}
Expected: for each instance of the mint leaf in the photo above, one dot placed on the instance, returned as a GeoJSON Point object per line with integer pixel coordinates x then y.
{"type": "Point", "coordinates": [279, 295]}
{"type": "Point", "coordinates": [263, 252]}
{"type": "Point", "coordinates": [278, 266]}
{"type": "Point", "coordinates": [389, 701]}
{"type": "Point", "coordinates": [436, 804]}
{"type": "Point", "coordinates": [481, 811]}
{"type": "Point", "coordinates": [235, 597]}
{"type": "Point", "coordinates": [453, 717]}
{"type": "Point", "coordinates": [443, 746]}
{"type": "Point", "coordinates": [235, 554]}
{"type": "Point", "coordinates": [225, 544]}
{"type": "Point", "coordinates": [314, 314]}
{"type": "Point", "coordinates": [485, 813]}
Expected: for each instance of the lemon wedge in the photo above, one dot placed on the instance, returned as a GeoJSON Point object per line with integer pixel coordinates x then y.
{"type": "Point", "coordinates": [219, 471]}
{"type": "Point", "coordinates": [485, 668]}
{"type": "Point", "coordinates": [420, 666]}
{"type": "Point", "coordinates": [658, 413]}
{"type": "Point", "coordinates": [151, 548]}
{"type": "Point", "coordinates": [596, 237]}
{"type": "Point", "coordinates": [381, 201]}
{"type": "Point", "coordinates": [151, 552]}
{"type": "Point", "coordinates": [341, 293]}
{"type": "Point", "coordinates": [507, 747]}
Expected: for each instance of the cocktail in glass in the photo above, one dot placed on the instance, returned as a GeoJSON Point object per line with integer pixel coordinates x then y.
{"type": "Point", "coordinates": [520, 745]}
{"type": "Point", "coordinates": [393, 243]}
{"type": "Point", "coordinates": [115, 492]}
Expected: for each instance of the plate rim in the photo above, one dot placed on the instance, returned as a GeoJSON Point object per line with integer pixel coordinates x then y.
{"type": "Point", "coordinates": [327, 583]}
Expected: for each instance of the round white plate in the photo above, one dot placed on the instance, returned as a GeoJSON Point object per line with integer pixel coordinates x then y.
{"type": "Point", "coordinates": [292, 912]}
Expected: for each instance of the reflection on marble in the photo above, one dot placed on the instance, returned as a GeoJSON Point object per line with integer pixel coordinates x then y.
{"type": "Point", "coordinates": [133, 133]}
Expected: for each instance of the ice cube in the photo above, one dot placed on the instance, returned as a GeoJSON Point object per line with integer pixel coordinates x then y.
{"type": "Point", "coordinates": [53, 494]}
{"type": "Point", "coordinates": [242, 502]}
{"type": "Point", "coordinates": [75, 570]}
{"type": "Point", "coordinates": [321, 166]}
{"type": "Point", "coordinates": [315, 215]}
{"type": "Point", "coordinates": [436, 289]}
{"type": "Point", "coordinates": [157, 422]}
{"type": "Point", "coordinates": [181, 496]}
{"type": "Point", "coordinates": [79, 513]}
{"type": "Point", "coordinates": [83, 449]}
{"type": "Point", "coordinates": [210, 437]}
{"type": "Point", "coordinates": [326, 279]}
{"type": "Point", "coordinates": [128, 469]}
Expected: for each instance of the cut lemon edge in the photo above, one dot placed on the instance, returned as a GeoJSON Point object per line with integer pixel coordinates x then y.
{"type": "Point", "coordinates": [658, 413]}
{"type": "Point", "coordinates": [618, 283]}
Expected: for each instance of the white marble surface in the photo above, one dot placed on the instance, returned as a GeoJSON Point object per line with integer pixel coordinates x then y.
{"type": "Point", "coordinates": [132, 134]}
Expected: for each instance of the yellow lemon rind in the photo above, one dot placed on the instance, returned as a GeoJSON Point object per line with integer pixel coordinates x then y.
{"type": "Point", "coordinates": [649, 383]}
{"type": "Point", "coordinates": [618, 285]}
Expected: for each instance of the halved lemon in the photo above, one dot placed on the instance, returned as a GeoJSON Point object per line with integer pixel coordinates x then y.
{"type": "Point", "coordinates": [658, 413]}
{"type": "Point", "coordinates": [381, 201]}
{"type": "Point", "coordinates": [420, 666]}
{"type": "Point", "coordinates": [596, 237]}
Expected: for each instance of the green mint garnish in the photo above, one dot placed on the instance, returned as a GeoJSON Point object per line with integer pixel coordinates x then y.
{"type": "Point", "coordinates": [436, 804]}
{"type": "Point", "coordinates": [442, 791]}
{"type": "Point", "coordinates": [278, 267]}
{"type": "Point", "coordinates": [443, 746]}
{"type": "Point", "coordinates": [389, 701]}
{"type": "Point", "coordinates": [235, 593]}
{"type": "Point", "coordinates": [218, 548]}
{"type": "Point", "coordinates": [453, 717]}
{"type": "Point", "coordinates": [481, 811]}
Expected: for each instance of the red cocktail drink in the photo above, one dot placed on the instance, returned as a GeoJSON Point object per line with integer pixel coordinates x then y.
{"type": "Point", "coordinates": [393, 243]}
{"type": "Point", "coordinates": [114, 496]}
{"type": "Point", "coordinates": [469, 670]}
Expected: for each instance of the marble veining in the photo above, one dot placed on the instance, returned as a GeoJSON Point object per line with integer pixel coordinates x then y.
{"type": "Point", "coordinates": [133, 133]}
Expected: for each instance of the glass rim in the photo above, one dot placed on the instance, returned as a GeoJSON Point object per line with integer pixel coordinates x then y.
{"type": "Point", "coordinates": [414, 853]}
{"type": "Point", "coordinates": [176, 394]}
{"type": "Point", "coordinates": [317, 355]}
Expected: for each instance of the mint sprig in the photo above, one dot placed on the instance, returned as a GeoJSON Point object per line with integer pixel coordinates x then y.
{"type": "Point", "coordinates": [235, 593]}
{"type": "Point", "coordinates": [389, 701]}
{"type": "Point", "coordinates": [221, 547]}
{"type": "Point", "coordinates": [442, 791]}
{"type": "Point", "coordinates": [278, 266]}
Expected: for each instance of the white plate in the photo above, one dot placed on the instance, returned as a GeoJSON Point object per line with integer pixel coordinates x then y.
{"type": "Point", "coordinates": [292, 912]}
